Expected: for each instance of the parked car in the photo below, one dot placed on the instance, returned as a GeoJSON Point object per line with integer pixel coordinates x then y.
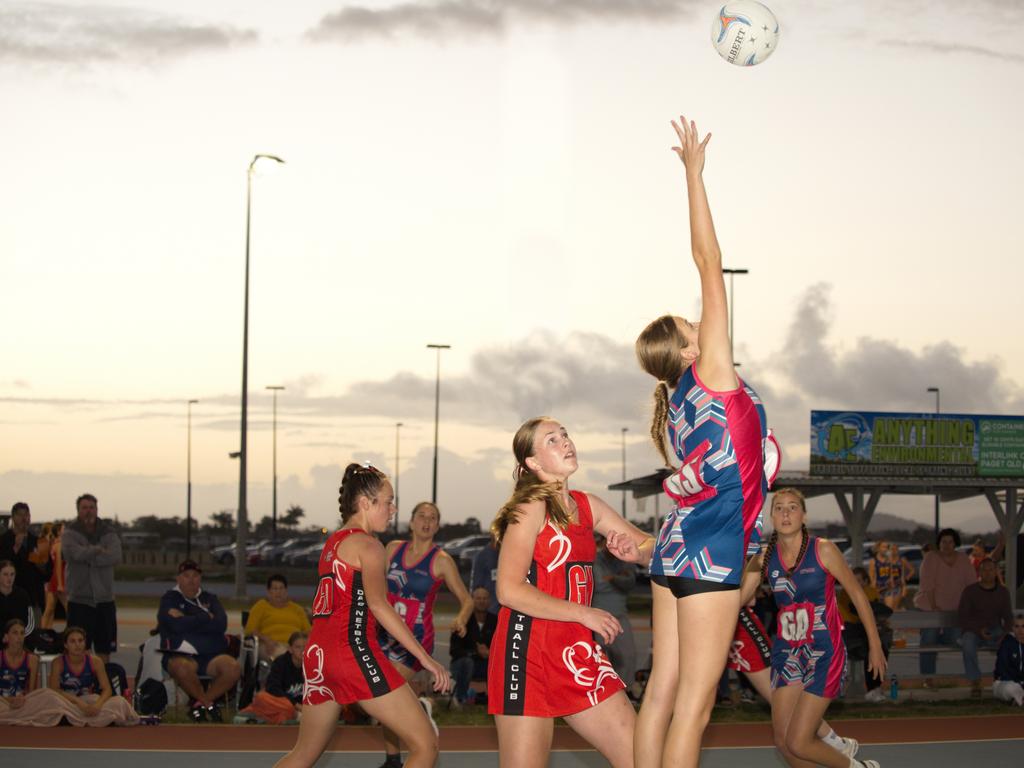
{"type": "Point", "coordinates": [457, 547]}
{"type": "Point", "coordinates": [303, 556]}
{"type": "Point", "coordinates": [274, 554]}
{"type": "Point", "coordinates": [224, 555]}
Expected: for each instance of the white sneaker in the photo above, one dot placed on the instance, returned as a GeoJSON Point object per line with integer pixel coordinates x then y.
{"type": "Point", "coordinates": [850, 747]}
{"type": "Point", "coordinates": [875, 696]}
{"type": "Point", "coordinates": [428, 707]}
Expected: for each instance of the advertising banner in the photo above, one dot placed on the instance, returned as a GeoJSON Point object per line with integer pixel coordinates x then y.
{"type": "Point", "coordinates": [871, 443]}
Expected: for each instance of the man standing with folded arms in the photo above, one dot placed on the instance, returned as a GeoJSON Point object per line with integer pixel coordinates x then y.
{"type": "Point", "coordinates": [91, 548]}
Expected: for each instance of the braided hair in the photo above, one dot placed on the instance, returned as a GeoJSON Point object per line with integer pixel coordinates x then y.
{"type": "Point", "coordinates": [358, 480]}
{"type": "Point", "coordinates": [657, 349]}
{"type": "Point", "coordinates": [805, 539]}
{"type": "Point", "coordinates": [529, 487]}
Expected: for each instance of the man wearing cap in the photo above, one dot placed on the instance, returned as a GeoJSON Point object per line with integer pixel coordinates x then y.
{"type": "Point", "coordinates": [91, 548]}
{"type": "Point", "coordinates": [192, 624]}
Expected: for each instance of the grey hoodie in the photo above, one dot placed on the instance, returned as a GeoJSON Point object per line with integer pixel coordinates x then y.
{"type": "Point", "coordinates": [91, 559]}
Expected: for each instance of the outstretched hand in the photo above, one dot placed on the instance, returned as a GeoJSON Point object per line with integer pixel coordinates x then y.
{"type": "Point", "coordinates": [691, 148]}
{"type": "Point", "coordinates": [624, 547]}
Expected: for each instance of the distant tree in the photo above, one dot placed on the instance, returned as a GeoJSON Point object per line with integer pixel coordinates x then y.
{"type": "Point", "coordinates": [164, 527]}
{"type": "Point", "coordinates": [473, 523]}
{"type": "Point", "coordinates": [291, 518]}
{"type": "Point", "coordinates": [223, 520]}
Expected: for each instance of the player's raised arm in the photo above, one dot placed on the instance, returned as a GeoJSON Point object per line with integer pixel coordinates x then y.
{"type": "Point", "coordinates": [715, 364]}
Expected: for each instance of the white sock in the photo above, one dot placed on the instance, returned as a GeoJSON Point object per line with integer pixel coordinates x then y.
{"type": "Point", "coordinates": [833, 739]}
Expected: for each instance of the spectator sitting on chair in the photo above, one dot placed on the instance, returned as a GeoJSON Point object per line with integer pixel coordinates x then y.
{"type": "Point", "coordinates": [15, 602]}
{"type": "Point", "coordinates": [984, 617]}
{"type": "Point", "coordinates": [469, 654]}
{"type": "Point", "coordinates": [1009, 672]}
{"type": "Point", "coordinates": [286, 678]}
{"type": "Point", "coordinates": [282, 699]}
{"type": "Point", "coordinates": [91, 548]}
{"type": "Point", "coordinates": [944, 574]}
{"type": "Point", "coordinates": [192, 624]}
{"type": "Point", "coordinates": [275, 619]}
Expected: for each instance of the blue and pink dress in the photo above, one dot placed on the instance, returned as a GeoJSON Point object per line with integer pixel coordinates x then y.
{"type": "Point", "coordinates": [808, 648]}
{"type": "Point", "coordinates": [412, 589]}
{"type": "Point", "coordinates": [729, 457]}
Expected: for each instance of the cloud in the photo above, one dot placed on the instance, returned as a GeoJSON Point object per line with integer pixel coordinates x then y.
{"type": "Point", "coordinates": [65, 34]}
{"type": "Point", "coordinates": [589, 381]}
{"type": "Point", "coordinates": [873, 374]}
{"type": "Point", "coordinates": [462, 18]}
{"type": "Point", "coordinates": [933, 46]}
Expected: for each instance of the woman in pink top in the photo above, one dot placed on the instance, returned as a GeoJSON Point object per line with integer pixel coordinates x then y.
{"type": "Point", "coordinates": [944, 574]}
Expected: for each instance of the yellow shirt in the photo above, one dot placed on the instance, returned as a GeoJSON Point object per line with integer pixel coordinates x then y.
{"type": "Point", "coordinates": [847, 610]}
{"type": "Point", "coordinates": [276, 623]}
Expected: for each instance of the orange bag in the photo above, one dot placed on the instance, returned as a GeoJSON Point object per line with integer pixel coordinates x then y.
{"type": "Point", "coordinates": [274, 709]}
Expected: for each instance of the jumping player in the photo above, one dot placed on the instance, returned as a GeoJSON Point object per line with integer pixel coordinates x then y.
{"type": "Point", "coordinates": [715, 424]}
{"type": "Point", "coordinates": [808, 667]}
{"type": "Point", "coordinates": [544, 662]}
{"type": "Point", "coordinates": [343, 662]}
{"type": "Point", "coordinates": [416, 570]}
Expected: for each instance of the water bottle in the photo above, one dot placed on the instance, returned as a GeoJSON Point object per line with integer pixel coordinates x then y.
{"type": "Point", "coordinates": [894, 688]}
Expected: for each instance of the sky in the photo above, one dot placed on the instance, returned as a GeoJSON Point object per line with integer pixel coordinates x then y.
{"type": "Point", "coordinates": [496, 177]}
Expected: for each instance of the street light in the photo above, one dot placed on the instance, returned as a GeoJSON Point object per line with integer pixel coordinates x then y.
{"type": "Point", "coordinates": [398, 427]}
{"type": "Point", "coordinates": [730, 273]}
{"type": "Point", "coordinates": [624, 431]}
{"type": "Point", "coordinates": [437, 413]}
{"type": "Point", "coordinates": [188, 494]}
{"type": "Point", "coordinates": [273, 514]}
{"type": "Point", "coordinates": [243, 521]}
{"type": "Point", "coordinates": [938, 498]}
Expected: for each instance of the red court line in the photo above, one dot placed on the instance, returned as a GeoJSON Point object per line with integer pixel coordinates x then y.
{"type": "Point", "coordinates": [267, 738]}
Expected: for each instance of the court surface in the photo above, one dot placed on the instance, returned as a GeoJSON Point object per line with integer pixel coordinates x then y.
{"type": "Point", "coordinates": [908, 743]}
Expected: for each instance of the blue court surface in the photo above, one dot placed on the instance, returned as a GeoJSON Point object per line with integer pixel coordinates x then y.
{"type": "Point", "coordinates": [999, 753]}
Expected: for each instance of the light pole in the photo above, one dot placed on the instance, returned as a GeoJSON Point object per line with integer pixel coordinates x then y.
{"type": "Point", "coordinates": [243, 520]}
{"type": "Point", "coordinates": [188, 493]}
{"type": "Point", "coordinates": [437, 413]}
{"type": "Point", "coordinates": [624, 431]}
{"type": "Point", "coordinates": [273, 511]}
{"type": "Point", "coordinates": [938, 498]}
{"type": "Point", "coordinates": [398, 429]}
{"type": "Point", "coordinates": [730, 273]}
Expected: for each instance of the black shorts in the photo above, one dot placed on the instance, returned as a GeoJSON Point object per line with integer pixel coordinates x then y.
{"type": "Point", "coordinates": [99, 623]}
{"type": "Point", "coordinates": [202, 661]}
{"type": "Point", "coordinates": [684, 587]}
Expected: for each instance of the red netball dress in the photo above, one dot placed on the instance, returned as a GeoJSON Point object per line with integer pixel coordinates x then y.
{"type": "Point", "coordinates": [546, 668]}
{"type": "Point", "coordinates": [343, 660]}
{"type": "Point", "coordinates": [751, 650]}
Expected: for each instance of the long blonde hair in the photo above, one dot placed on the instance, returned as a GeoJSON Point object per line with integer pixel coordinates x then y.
{"type": "Point", "coordinates": [657, 349]}
{"type": "Point", "coordinates": [529, 487]}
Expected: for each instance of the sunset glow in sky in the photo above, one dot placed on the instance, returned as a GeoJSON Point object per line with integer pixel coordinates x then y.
{"type": "Point", "coordinates": [495, 176]}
